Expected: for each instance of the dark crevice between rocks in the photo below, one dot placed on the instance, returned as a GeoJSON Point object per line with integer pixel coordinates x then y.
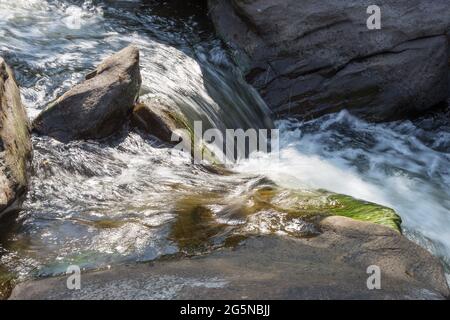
{"type": "Point", "coordinates": [9, 226]}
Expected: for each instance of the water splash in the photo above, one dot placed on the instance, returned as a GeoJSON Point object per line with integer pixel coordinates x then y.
{"type": "Point", "coordinates": [401, 165]}
{"type": "Point", "coordinates": [99, 202]}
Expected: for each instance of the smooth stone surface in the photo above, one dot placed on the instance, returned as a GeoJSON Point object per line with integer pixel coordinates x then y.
{"type": "Point", "coordinates": [330, 266]}
{"type": "Point", "coordinates": [97, 107]}
{"type": "Point", "coordinates": [15, 142]}
{"type": "Point", "coordinates": [308, 58]}
{"type": "Point", "coordinates": [159, 120]}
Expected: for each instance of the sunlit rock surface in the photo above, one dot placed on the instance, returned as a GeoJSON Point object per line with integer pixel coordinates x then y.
{"type": "Point", "coordinates": [97, 107]}
{"type": "Point", "coordinates": [129, 198]}
{"type": "Point", "coordinates": [15, 142]}
{"type": "Point", "coordinates": [332, 265]}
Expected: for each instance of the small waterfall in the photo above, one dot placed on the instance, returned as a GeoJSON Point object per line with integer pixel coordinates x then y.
{"type": "Point", "coordinates": [95, 203]}
{"type": "Point", "coordinates": [403, 165]}
{"type": "Point", "coordinates": [205, 85]}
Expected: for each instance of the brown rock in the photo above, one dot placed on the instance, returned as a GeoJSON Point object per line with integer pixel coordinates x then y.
{"type": "Point", "coordinates": [158, 120]}
{"type": "Point", "coordinates": [332, 265]}
{"type": "Point", "coordinates": [100, 105]}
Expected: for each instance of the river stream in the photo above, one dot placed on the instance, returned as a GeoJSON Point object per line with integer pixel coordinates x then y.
{"type": "Point", "coordinates": [125, 198]}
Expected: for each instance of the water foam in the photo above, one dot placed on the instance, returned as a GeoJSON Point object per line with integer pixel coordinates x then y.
{"type": "Point", "coordinates": [390, 164]}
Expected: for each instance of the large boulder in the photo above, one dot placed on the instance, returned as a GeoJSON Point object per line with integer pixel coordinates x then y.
{"type": "Point", "coordinates": [15, 142]}
{"type": "Point", "coordinates": [313, 57]}
{"type": "Point", "coordinates": [98, 106]}
{"type": "Point", "coordinates": [332, 265]}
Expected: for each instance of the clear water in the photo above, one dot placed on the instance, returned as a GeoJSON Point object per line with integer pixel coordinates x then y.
{"type": "Point", "coordinates": [99, 202]}
{"type": "Point", "coordinates": [96, 203]}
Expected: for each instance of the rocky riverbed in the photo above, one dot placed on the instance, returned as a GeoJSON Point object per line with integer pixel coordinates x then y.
{"type": "Point", "coordinates": [330, 266]}
{"type": "Point", "coordinates": [106, 87]}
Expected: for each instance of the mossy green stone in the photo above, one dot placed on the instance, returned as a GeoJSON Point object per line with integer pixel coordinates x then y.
{"type": "Point", "coordinates": [319, 202]}
{"type": "Point", "coordinates": [366, 211]}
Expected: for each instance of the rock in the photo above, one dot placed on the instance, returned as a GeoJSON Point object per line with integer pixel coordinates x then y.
{"type": "Point", "coordinates": [332, 265]}
{"type": "Point", "coordinates": [170, 124]}
{"type": "Point", "coordinates": [448, 37]}
{"type": "Point", "coordinates": [98, 106]}
{"type": "Point", "coordinates": [15, 142]}
{"type": "Point", "coordinates": [394, 254]}
{"type": "Point", "coordinates": [158, 120]}
{"type": "Point", "coordinates": [210, 219]}
{"type": "Point", "coordinates": [309, 58]}
{"type": "Point", "coordinates": [289, 204]}
{"type": "Point", "coordinates": [349, 207]}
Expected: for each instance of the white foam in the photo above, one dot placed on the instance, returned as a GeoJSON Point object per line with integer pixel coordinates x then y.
{"type": "Point", "coordinates": [373, 162]}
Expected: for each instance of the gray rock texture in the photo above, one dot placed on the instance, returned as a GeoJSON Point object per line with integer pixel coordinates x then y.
{"type": "Point", "coordinates": [15, 142]}
{"type": "Point", "coordinates": [332, 265]}
{"type": "Point", "coordinates": [98, 106]}
{"type": "Point", "coordinates": [311, 57]}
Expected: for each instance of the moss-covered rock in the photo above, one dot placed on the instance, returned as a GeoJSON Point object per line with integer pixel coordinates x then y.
{"type": "Point", "coordinates": [209, 219]}
{"type": "Point", "coordinates": [170, 124]}
{"type": "Point", "coordinates": [309, 203]}
{"type": "Point", "coordinates": [365, 211]}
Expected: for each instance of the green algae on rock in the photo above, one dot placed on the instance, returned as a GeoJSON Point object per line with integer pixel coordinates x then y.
{"type": "Point", "coordinates": [365, 211]}
{"type": "Point", "coordinates": [171, 125]}
{"type": "Point", "coordinates": [323, 203]}
{"type": "Point", "coordinates": [159, 120]}
{"type": "Point", "coordinates": [205, 220]}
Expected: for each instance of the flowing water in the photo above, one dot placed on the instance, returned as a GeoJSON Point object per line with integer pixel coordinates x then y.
{"type": "Point", "coordinates": [132, 198]}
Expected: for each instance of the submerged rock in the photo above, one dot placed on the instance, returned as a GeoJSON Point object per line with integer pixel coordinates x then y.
{"type": "Point", "coordinates": [332, 265]}
{"type": "Point", "coordinates": [15, 142]}
{"type": "Point", "coordinates": [98, 106]}
{"type": "Point", "coordinates": [309, 58]}
{"type": "Point", "coordinates": [311, 203]}
{"type": "Point", "coordinates": [213, 219]}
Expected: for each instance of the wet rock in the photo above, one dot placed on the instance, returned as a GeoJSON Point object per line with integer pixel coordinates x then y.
{"type": "Point", "coordinates": [169, 123]}
{"type": "Point", "coordinates": [15, 142]}
{"type": "Point", "coordinates": [448, 37]}
{"type": "Point", "coordinates": [394, 254]}
{"type": "Point", "coordinates": [332, 265]}
{"type": "Point", "coordinates": [207, 219]}
{"type": "Point", "coordinates": [158, 120]}
{"type": "Point", "coordinates": [309, 58]}
{"type": "Point", "coordinates": [98, 106]}
{"type": "Point", "coordinates": [311, 203]}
